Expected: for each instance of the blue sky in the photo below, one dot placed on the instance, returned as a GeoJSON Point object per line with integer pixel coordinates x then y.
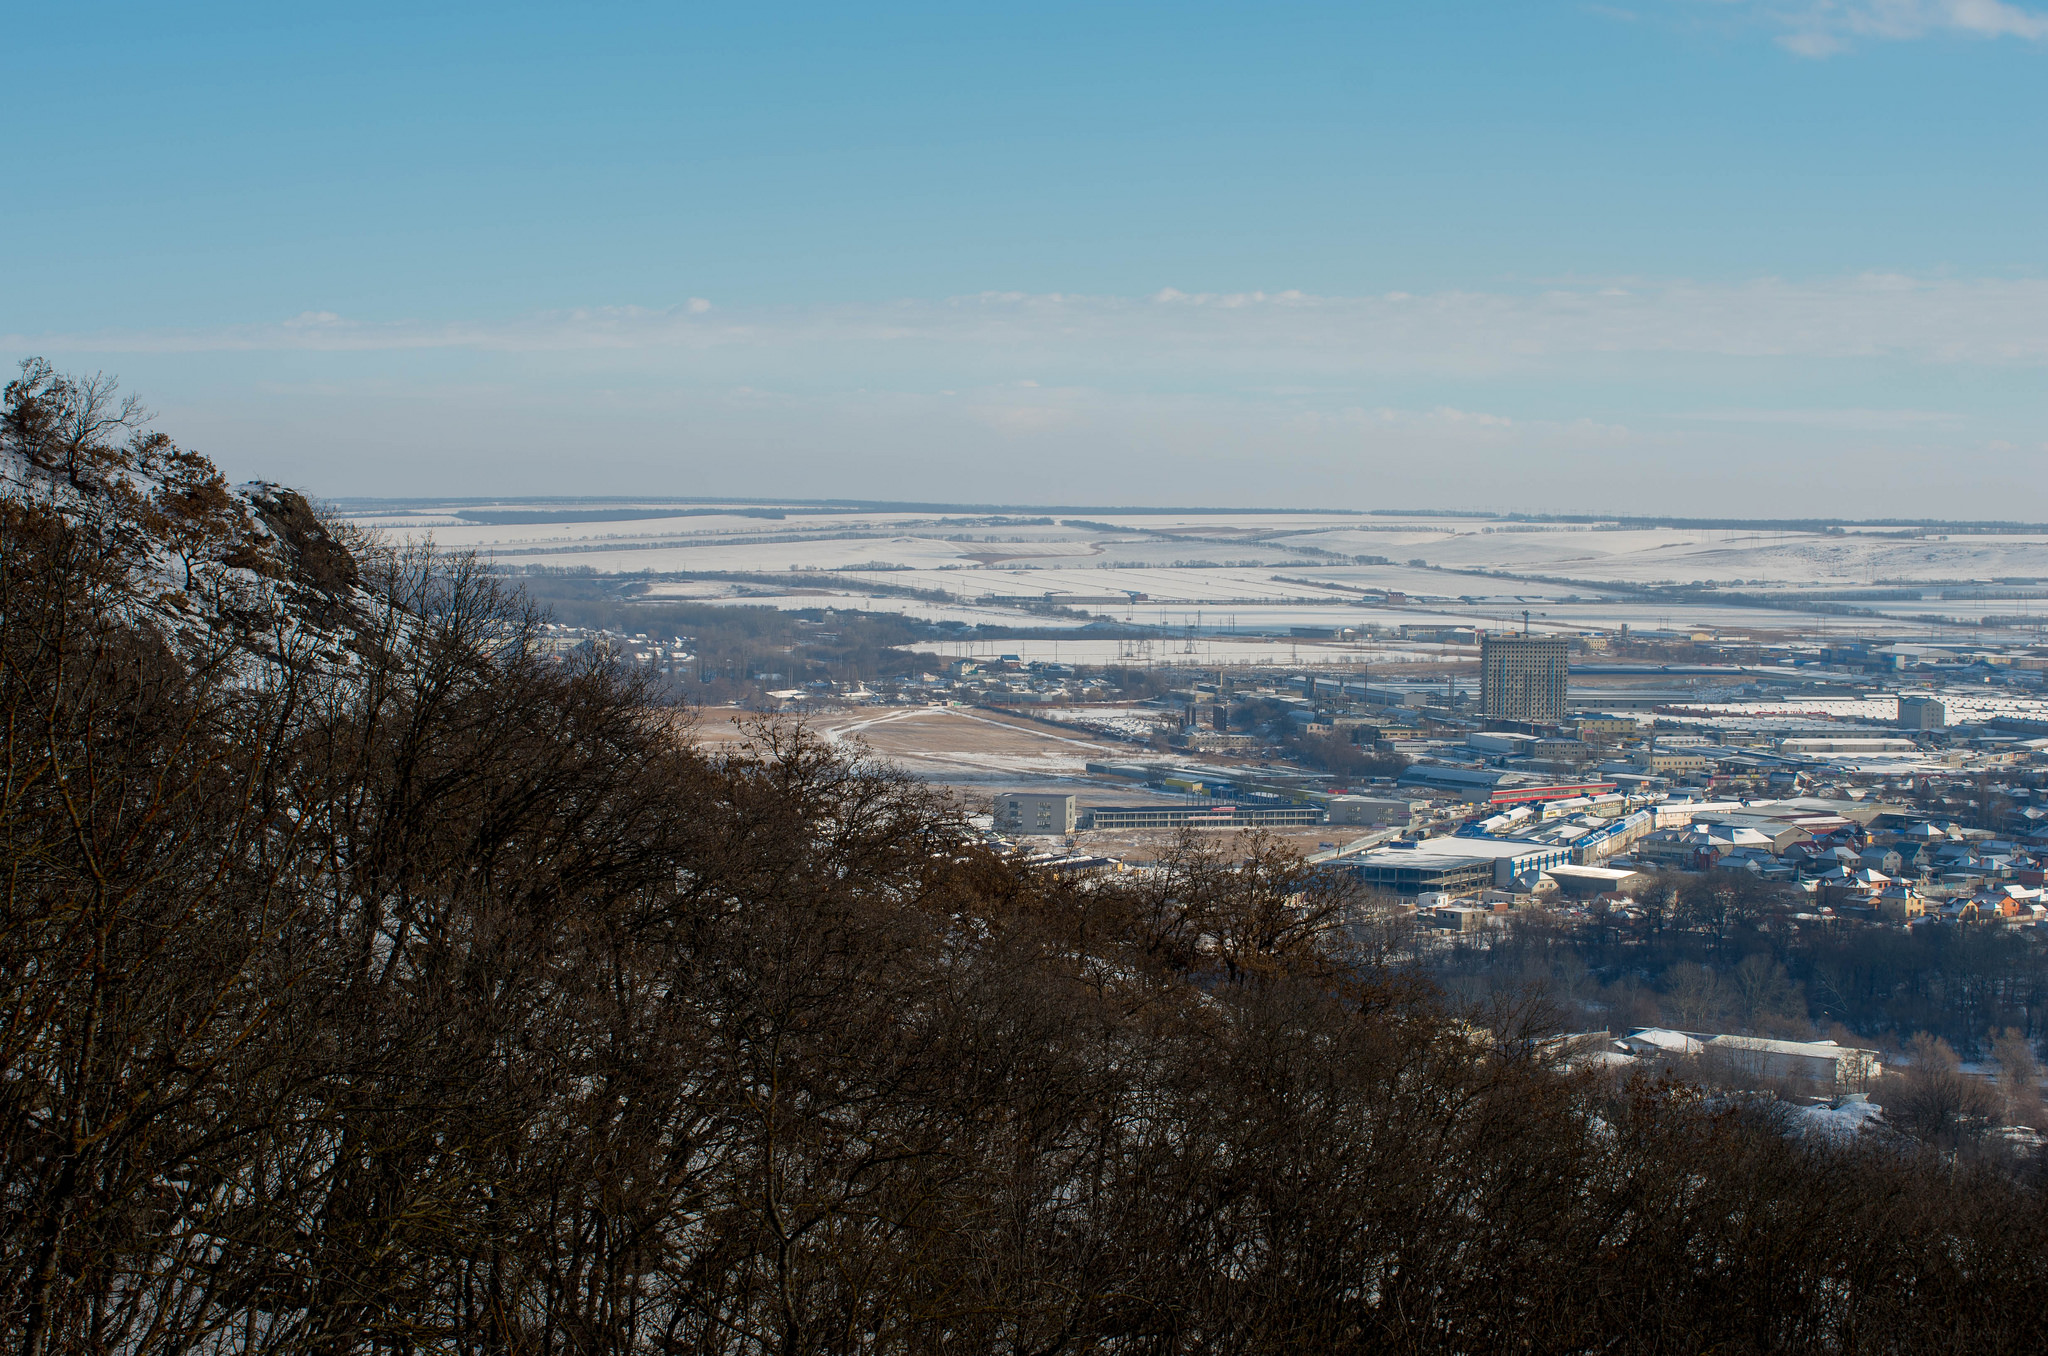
{"type": "Point", "coordinates": [1723, 255]}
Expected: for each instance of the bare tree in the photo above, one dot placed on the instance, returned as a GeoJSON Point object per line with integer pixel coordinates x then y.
{"type": "Point", "coordinates": [74, 425]}
{"type": "Point", "coordinates": [1932, 1098]}
{"type": "Point", "coordinates": [1693, 995]}
{"type": "Point", "coordinates": [2019, 1078]}
{"type": "Point", "coordinates": [1764, 997]}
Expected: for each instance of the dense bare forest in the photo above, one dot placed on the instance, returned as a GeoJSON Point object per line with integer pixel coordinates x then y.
{"type": "Point", "coordinates": [1724, 951]}
{"type": "Point", "coordinates": [378, 985]}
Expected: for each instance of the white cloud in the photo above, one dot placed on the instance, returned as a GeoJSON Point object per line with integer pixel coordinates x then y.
{"type": "Point", "coordinates": [1450, 425]}
{"type": "Point", "coordinates": [613, 424]}
{"type": "Point", "coordinates": [1862, 420]}
{"type": "Point", "coordinates": [1254, 337]}
{"type": "Point", "coordinates": [1818, 28]}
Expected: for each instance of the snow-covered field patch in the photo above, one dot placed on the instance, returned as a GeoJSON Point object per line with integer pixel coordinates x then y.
{"type": "Point", "coordinates": [1130, 722]}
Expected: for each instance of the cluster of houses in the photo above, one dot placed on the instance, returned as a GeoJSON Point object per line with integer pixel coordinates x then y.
{"type": "Point", "coordinates": [1861, 859]}
{"type": "Point", "coordinates": [1852, 859]}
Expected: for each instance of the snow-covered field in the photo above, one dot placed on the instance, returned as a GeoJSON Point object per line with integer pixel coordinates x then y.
{"type": "Point", "coordinates": [956, 745]}
{"type": "Point", "coordinates": [1962, 705]}
{"type": "Point", "coordinates": [1684, 556]}
{"type": "Point", "coordinates": [909, 607]}
{"type": "Point", "coordinates": [1133, 722]}
{"type": "Point", "coordinates": [1257, 571]}
{"type": "Point", "coordinates": [1204, 652]}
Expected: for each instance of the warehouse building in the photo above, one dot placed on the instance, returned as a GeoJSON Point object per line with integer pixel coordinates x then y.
{"type": "Point", "coordinates": [1223, 816]}
{"type": "Point", "coordinates": [1367, 810]}
{"type": "Point", "coordinates": [1922, 713]}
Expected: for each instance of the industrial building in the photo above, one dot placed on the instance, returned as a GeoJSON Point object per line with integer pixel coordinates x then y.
{"type": "Point", "coordinates": [1502, 742]}
{"type": "Point", "coordinates": [1821, 1067]}
{"type": "Point", "coordinates": [1454, 866]}
{"type": "Point", "coordinates": [1663, 762]}
{"type": "Point", "coordinates": [1922, 713]}
{"type": "Point", "coordinates": [1808, 747]}
{"type": "Point", "coordinates": [1362, 810]}
{"type": "Point", "coordinates": [1602, 727]}
{"type": "Point", "coordinates": [1223, 816]}
{"type": "Point", "coordinates": [1584, 881]}
{"type": "Point", "coordinates": [1496, 787]}
{"type": "Point", "coordinates": [1523, 677]}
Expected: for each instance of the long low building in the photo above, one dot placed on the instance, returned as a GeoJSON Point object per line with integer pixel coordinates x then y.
{"type": "Point", "coordinates": [1526, 795]}
{"type": "Point", "coordinates": [1823, 1067]}
{"type": "Point", "coordinates": [1612, 837]}
{"type": "Point", "coordinates": [1595, 880]}
{"type": "Point", "coordinates": [1495, 787]}
{"type": "Point", "coordinates": [1374, 810]}
{"type": "Point", "coordinates": [1221, 816]}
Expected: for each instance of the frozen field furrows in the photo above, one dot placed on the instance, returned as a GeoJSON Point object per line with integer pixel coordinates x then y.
{"type": "Point", "coordinates": [1962, 706]}
{"type": "Point", "coordinates": [1204, 651]}
{"type": "Point", "coordinates": [853, 601]}
{"type": "Point", "coordinates": [1262, 571]}
{"type": "Point", "coordinates": [1160, 585]}
{"type": "Point", "coordinates": [1682, 556]}
{"type": "Point", "coordinates": [1634, 555]}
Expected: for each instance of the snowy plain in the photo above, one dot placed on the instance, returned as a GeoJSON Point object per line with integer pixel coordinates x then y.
{"type": "Point", "coordinates": [1259, 571]}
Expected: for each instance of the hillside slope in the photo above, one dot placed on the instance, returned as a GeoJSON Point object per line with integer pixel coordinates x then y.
{"type": "Point", "coordinates": [203, 560]}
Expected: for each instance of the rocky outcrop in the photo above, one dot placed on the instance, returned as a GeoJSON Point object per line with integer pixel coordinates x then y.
{"type": "Point", "coordinates": [311, 556]}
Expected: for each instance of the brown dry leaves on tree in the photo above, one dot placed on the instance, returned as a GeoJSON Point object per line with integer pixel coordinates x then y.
{"type": "Point", "coordinates": [451, 1002]}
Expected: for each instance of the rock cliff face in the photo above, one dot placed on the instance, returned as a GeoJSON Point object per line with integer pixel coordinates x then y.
{"type": "Point", "coordinates": [319, 574]}
{"type": "Point", "coordinates": [312, 556]}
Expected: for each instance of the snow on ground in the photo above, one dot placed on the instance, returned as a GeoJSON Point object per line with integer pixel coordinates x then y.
{"type": "Point", "coordinates": [692, 590]}
{"type": "Point", "coordinates": [1755, 558]}
{"type": "Point", "coordinates": [2033, 612]}
{"type": "Point", "coordinates": [1134, 722]}
{"type": "Point", "coordinates": [954, 744]}
{"type": "Point", "coordinates": [908, 607]}
{"type": "Point", "coordinates": [1161, 584]}
{"type": "Point", "coordinates": [774, 557]}
{"type": "Point", "coordinates": [1963, 706]}
{"type": "Point", "coordinates": [1263, 571]}
{"type": "Point", "coordinates": [1686, 555]}
{"type": "Point", "coordinates": [1835, 1123]}
{"type": "Point", "coordinates": [1825, 708]}
{"type": "Point", "coordinates": [515, 537]}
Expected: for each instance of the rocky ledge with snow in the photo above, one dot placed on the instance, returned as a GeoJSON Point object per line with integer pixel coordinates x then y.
{"type": "Point", "coordinates": [199, 560]}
